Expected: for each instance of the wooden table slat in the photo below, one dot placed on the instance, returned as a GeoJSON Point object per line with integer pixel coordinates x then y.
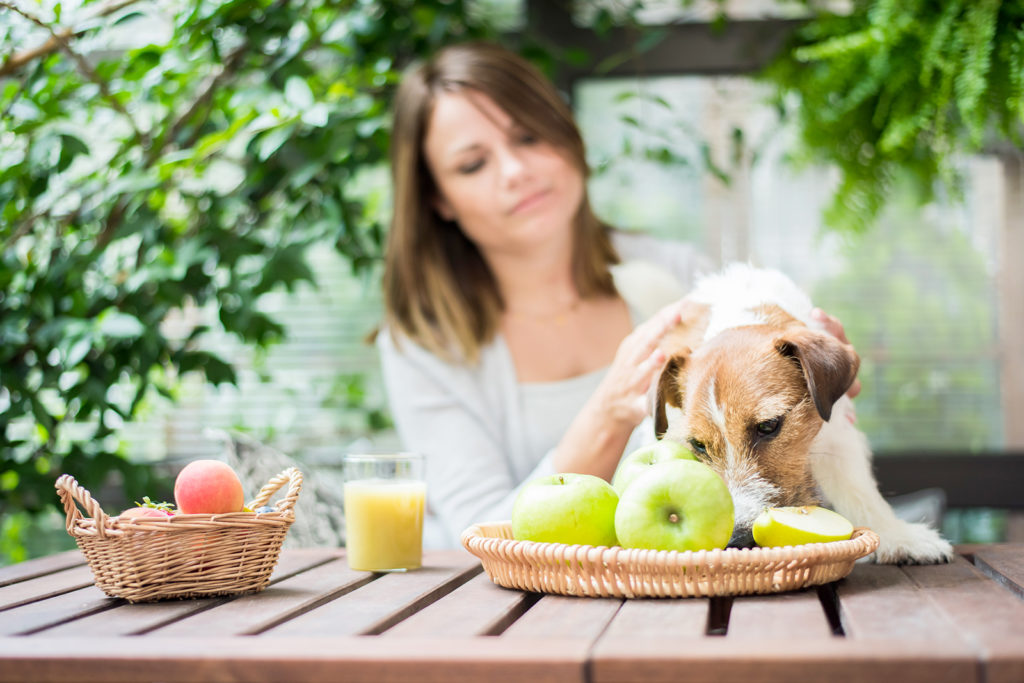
{"type": "Point", "coordinates": [45, 586]}
{"type": "Point", "coordinates": [319, 621]}
{"type": "Point", "coordinates": [776, 660]}
{"type": "Point", "coordinates": [314, 659]}
{"type": "Point", "coordinates": [1005, 564]}
{"type": "Point", "coordinates": [131, 619]}
{"type": "Point", "coordinates": [1004, 660]}
{"type": "Point", "coordinates": [259, 611]}
{"type": "Point", "coordinates": [681, 619]}
{"type": "Point", "coordinates": [981, 609]}
{"type": "Point", "coordinates": [128, 619]}
{"type": "Point", "coordinates": [58, 609]}
{"type": "Point", "coordinates": [40, 566]}
{"type": "Point", "coordinates": [786, 615]}
{"type": "Point", "coordinates": [382, 603]}
{"type": "Point", "coordinates": [564, 617]}
{"type": "Point", "coordinates": [476, 608]}
{"type": "Point", "coordinates": [880, 602]}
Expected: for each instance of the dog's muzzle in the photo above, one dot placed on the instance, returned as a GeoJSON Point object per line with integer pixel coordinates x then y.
{"type": "Point", "coordinates": [741, 538]}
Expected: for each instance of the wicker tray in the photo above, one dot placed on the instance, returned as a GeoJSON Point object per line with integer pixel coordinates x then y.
{"type": "Point", "coordinates": [143, 559]}
{"type": "Point", "coordinates": [633, 573]}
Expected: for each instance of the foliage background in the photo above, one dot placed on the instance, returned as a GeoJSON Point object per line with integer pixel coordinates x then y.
{"type": "Point", "coordinates": [142, 180]}
{"type": "Point", "coordinates": [897, 90]}
{"type": "Point", "coordinates": [192, 171]}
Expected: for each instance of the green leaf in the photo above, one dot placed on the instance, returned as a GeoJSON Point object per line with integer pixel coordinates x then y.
{"type": "Point", "coordinates": [298, 93]}
{"type": "Point", "coordinates": [271, 141]}
{"type": "Point", "coordinates": [77, 352]}
{"type": "Point", "coordinates": [71, 147]}
{"type": "Point", "coordinates": [118, 325]}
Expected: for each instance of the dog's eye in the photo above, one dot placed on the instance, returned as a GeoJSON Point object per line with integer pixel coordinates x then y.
{"type": "Point", "coordinates": [698, 447]}
{"type": "Point", "coordinates": [768, 427]}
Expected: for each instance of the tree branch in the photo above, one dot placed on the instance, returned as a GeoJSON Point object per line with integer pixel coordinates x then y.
{"type": "Point", "coordinates": [207, 90]}
{"type": "Point", "coordinates": [54, 42]}
{"type": "Point", "coordinates": [83, 66]}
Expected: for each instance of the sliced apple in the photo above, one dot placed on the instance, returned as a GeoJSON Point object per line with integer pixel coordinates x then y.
{"type": "Point", "coordinates": [798, 525]}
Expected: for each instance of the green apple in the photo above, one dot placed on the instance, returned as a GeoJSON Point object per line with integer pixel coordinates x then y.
{"type": "Point", "coordinates": [639, 460]}
{"type": "Point", "coordinates": [566, 508]}
{"type": "Point", "coordinates": [675, 505]}
{"type": "Point", "coordinates": [798, 525]}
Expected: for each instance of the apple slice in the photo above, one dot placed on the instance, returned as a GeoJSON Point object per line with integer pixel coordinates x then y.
{"type": "Point", "coordinates": [798, 525]}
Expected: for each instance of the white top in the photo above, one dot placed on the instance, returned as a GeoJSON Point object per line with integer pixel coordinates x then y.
{"type": "Point", "coordinates": [483, 433]}
{"type": "Point", "coordinates": [543, 404]}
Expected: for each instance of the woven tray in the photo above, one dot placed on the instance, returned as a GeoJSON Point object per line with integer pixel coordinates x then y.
{"type": "Point", "coordinates": [143, 559]}
{"type": "Point", "coordinates": [633, 573]}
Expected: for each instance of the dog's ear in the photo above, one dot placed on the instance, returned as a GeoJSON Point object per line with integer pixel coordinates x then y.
{"type": "Point", "coordinates": [668, 390]}
{"type": "Point", "coordinates": [829, 365]}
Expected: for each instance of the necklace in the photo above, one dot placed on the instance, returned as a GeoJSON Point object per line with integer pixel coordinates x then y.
{"type": "Point", "coordinates": [558, 317]}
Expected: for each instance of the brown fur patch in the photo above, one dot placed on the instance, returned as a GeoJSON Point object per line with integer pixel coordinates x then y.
{"type": "Point", "coordinates": [677, 345]}
{"type": "Point", "coordinates": [737, 382]}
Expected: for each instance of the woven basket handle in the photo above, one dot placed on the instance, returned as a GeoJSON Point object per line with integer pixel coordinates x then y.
{"type": "Point", "coordinates": [70, 492]}
{"type": "Point", "coordinates": [293, 476]}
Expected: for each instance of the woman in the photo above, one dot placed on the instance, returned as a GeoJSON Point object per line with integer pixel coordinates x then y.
{"type": "Point", "coordinates": [514, 344]}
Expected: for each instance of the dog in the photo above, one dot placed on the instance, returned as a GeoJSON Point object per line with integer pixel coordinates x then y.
{"type": "Point", "coordinates": [756, 389]}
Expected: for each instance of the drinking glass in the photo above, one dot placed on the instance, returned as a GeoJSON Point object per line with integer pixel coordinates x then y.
{"type": "Point", "coordinates": [385, 496]}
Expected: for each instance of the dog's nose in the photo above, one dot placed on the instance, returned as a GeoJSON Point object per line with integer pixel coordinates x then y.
{"type": "Point", "coordinates": [741, 538]}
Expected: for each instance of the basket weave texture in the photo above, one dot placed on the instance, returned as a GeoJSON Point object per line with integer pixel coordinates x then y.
{"type": "Point", "coordinates": [584, 570]}
{"type": "Point", "coordinates": [142, 559]}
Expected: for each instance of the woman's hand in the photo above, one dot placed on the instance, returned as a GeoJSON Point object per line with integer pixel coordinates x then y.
{"type": "Point", "coordinates": [623, 393]}
{"type": "Point", "coordinates": [599, 433]}
{"type": "Point", "coordinates": [835, 328]}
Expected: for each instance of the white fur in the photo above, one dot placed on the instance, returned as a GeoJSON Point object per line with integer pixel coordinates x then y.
{"type": "Point", "coordinates": [840, 456]}
{"type": "Point", "coordinates": [734, 292]}
{"type": "Point", "coordinates": [841, 466]}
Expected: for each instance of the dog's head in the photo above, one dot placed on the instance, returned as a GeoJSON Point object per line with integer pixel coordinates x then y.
{"type": "Point", "coordinates": [749, 402]}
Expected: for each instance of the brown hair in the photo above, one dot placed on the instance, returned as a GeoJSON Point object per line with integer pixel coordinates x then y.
{"type": "Point", "coordinates": [438, 290]}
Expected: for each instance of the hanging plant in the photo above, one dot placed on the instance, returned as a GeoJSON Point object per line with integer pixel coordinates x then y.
{"type": "Point", "coordinates": [899, 88]}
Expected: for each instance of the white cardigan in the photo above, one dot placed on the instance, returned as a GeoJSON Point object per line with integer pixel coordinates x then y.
{"type": "Point", "coordinates": [468, 421]}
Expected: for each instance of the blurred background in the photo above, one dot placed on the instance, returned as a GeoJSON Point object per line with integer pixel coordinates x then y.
{"type": "Point", "coordinates": [194, 195]}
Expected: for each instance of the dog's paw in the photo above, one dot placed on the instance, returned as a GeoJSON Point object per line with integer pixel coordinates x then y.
{"type": "Point", "coordinates": [912, 544]}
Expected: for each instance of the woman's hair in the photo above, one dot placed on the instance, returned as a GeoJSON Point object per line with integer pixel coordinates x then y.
{"type": "Point", "coordinates": [438, 290]}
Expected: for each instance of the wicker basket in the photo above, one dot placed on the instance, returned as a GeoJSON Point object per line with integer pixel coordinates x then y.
{"type": "Point", "coordinates": [142, 559]}
{"type": "Point", "coordinates": [633, 573]}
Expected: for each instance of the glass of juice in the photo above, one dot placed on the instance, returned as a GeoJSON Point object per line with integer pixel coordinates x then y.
{"type": "Point", "coordinates": [385, 496]}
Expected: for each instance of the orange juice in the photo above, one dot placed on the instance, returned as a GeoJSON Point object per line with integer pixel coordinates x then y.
{"type": "Point", "coordinates": [384, 524]}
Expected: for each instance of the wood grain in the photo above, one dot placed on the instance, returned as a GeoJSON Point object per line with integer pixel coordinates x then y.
{"type": "Point", "coordinates": [880, 602]}
{"type": "Point", "coordinates": [319, 620]}
{"type": "Point", "coordinates": [128, 619]}
{"type": "Point", "coordinates": [775, 660]}
{"type": "Point", "coordinates": [476, 608]}
{"type": "Point", "coordinates": [310, 660]}
{"type": "Point", "coordinates": [30, 569]}
{"type": "Point", "coordinates": [45, 586]}
{"type": "Point", "coordinates": [248, 614]}
{"type": "Point", "coordinates": [981, 609]}
{"type": "Point", "coordinates": [676, 619]}
{"type": "Point", "coordinates": [59, 609]}
{"type": "Point", "coordinates": [988, 614]}
{"type": "Point", "coordinates": [382, 603]}
{"type": "Point", "coordinates": [1005, 564]}
{"type": "Point", "coordinates": [564, 617]}
{"type": "Point", "coordinates": [788, 615]}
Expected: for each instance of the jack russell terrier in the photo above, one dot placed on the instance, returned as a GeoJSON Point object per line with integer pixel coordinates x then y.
{"type": "Point", "coordinates": [757, 391]}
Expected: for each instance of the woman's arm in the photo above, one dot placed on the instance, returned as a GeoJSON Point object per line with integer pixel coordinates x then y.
{"type": "Point", "coordinates": [439, 410]}
{"type": "Point", "coordinates": [597, 436]}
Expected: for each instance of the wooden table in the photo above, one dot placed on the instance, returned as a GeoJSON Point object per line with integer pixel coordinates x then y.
{"type": "Point", "coordinates": [321, 621]}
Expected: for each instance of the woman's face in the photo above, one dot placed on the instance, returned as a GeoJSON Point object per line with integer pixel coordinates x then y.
{"type": "Point", "coordinates": [509, 191]}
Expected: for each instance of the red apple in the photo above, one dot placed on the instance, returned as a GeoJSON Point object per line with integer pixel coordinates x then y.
{"type": "Point", "coordinates": [141, 511]}
{"type": "Point", "coordinates": [209, 487]}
